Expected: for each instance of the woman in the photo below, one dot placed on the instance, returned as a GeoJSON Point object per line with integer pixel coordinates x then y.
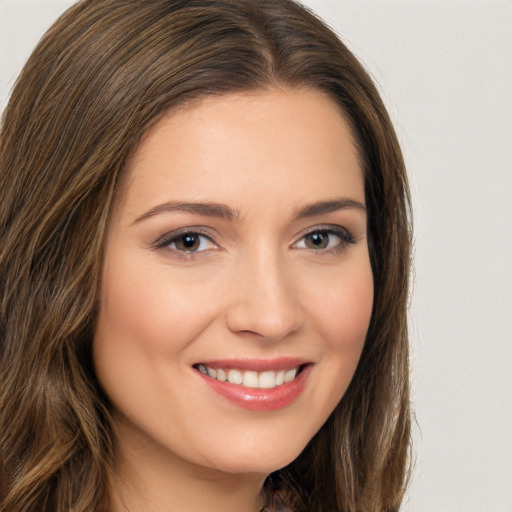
{"type": "Point", "coordinates": [204, 266]}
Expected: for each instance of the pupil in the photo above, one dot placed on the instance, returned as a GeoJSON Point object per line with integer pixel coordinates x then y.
{"type": "Point", "coordinates": [189, 241]}
{"type": "Point", "coordinates": [318, 240]}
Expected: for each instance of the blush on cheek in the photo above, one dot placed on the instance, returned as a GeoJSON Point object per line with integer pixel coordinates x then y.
{"type": "Point", "coordinates": [347, 312]}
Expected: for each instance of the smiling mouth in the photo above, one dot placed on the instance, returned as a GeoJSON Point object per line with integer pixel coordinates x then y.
{"type": "Point", "coordinates": [267, 379]}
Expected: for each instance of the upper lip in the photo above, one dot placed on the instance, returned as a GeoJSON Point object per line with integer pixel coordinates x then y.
{"type": "Point", "coordinates": [255, 364]}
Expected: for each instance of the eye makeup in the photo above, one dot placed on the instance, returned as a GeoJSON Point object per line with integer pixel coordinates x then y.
{"type": "Point", "coordinates": [193, 240]}
{"type": "Point", "coordinates": [327, 238]}
{"type": "Point", "coordinates": [187, 242]}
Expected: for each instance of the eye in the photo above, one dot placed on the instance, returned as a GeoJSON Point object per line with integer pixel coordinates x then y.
{"type": "Point", "coordinates": [186, 242]}
{"type": "Point", "coordinates": [325, 239]}
{"type": "Point", "coordinates": [190, 242]}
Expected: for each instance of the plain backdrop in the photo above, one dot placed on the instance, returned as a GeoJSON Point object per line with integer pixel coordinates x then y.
{"type": "Point", "coordinates": [445, 71]}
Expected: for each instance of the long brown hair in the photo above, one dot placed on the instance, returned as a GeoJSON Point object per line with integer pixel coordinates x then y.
{"type": "Point", "coordinates": [100, 77]}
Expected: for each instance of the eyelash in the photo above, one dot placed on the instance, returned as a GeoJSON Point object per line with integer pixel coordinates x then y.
{"type": "Point", "coordinates": [346, 238]}
{"type": "Point", "coordinates": [168, 239]}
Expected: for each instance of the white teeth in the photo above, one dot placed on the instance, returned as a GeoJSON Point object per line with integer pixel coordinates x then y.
{"type": "Point", "coordinates": [235, 377]}
{"type": "Point", "coordinates": [250, 379]}
{"type": "Point", "coordinates": [290, 375]}
{"type": "Point", "coordinates": [264, 380]}
{"type": "Point", "coordinates": [221, 375]}
{"type": "Point", "coordinates": [267, 380]}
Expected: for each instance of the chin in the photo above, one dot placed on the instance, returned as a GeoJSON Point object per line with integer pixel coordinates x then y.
{"type": "Point", "coordinates": [255, 458]}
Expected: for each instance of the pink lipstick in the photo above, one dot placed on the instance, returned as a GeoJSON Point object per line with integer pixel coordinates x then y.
{"type": "Point", "coordinates": [256, 384]}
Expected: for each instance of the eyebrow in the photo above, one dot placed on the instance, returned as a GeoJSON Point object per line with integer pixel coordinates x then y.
{"type": "Point", "coordinates": [220, 211]}
{"type": "Point", "coordinates": [223, 211]}
{"type": "Point", "coordinates": [323, 207]}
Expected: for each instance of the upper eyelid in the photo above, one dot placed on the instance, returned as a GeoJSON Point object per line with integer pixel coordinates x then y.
{"type": "Point", "coordinates": [334, 228]}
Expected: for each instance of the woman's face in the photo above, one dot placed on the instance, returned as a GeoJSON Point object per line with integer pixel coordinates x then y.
{"type": "Point", "coordinates": [237, 287]}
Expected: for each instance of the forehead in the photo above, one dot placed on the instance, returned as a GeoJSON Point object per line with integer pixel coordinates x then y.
{"type": "Point", "coordinates": [260, 141]}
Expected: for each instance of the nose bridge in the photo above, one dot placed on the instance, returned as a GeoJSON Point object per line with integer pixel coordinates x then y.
{"type": "Point", "coordinates": [264, 301]}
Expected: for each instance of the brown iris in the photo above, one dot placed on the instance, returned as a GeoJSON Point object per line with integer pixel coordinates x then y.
{"type": "Point", "coordinates": [317, 240]}
{"type": "Point", "coordinates": [188, 242]}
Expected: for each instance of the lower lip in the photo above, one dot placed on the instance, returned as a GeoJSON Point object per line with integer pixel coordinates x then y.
{"type": "Point", "coordinates": [256, 399]}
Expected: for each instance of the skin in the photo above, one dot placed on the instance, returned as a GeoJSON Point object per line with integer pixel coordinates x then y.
{"type": "Point", "coordinates": [256, 287]}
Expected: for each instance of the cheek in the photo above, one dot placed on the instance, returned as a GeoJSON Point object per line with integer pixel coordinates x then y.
{"type": "Point", "coordinates": [342, 316]}
{"type": "Point", "coordinates": [350, 311]}
{"type": "Point", "coordinates": [138, 331]}
{"type": "Point", "coordinates": [147, 321]}
{"type": "Point", "coordinates": [344, 309]}
{"type": "Point", "coordinates": [150, 310]}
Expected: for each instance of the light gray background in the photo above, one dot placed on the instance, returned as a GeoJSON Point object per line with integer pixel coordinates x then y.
{"type": "Point", "coordinates": [445, 69]}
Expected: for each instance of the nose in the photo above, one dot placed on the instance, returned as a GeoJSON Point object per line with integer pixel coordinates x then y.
{"type": "Point", "coordinates": [264, 302]}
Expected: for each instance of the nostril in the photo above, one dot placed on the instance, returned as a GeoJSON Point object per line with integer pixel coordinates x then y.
{"type": "Point", "coordinates": [263, 322]}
